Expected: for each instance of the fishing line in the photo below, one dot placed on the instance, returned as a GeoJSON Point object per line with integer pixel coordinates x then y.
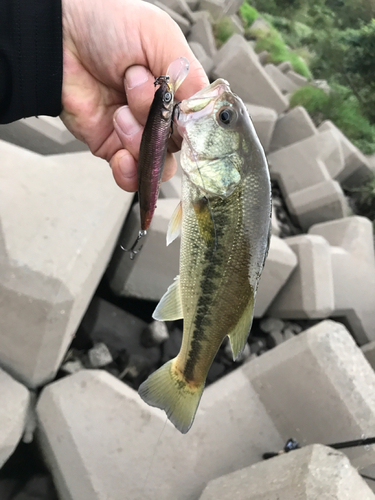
{"type": "Point", "coordinates": [152, 458]}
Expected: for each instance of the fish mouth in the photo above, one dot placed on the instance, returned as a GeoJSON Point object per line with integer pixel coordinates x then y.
{"type": "Point", "coordinates": [201, 103]}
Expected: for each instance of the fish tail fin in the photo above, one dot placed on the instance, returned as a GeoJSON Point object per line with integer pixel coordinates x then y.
{"type": "Point", "coordinates": [168, 390]}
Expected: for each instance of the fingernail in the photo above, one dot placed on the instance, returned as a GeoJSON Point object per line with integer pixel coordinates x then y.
{"type": "Point", "coordinates": [126, 122]}
{"type": "Point", "coordinates": [135, 76]}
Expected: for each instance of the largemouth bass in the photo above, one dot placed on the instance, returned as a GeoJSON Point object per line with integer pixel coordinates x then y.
{"type": "Point", "coordinates": [153, 148]}
{"type": "Point", "coordinates": [226, 220]}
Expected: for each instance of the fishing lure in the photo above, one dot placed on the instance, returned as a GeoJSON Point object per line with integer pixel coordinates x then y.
{"type": "Point", "coordinates": [154, 142]}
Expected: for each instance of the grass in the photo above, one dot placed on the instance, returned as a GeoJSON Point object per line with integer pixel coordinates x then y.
{"type": "Point", "coordinates": [248, 14]}
{"type": "Point", "coordinates": [342, 108]}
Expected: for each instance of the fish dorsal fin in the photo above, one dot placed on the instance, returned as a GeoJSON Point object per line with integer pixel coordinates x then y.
{"type": "Point", "coordinates": [174, 226]}
{"type": "Point", "coordinates": [238, 336]}
{"type": "Point", "coordinates": [170, 305]}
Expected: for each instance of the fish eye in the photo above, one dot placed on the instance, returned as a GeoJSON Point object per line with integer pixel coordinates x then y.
{"type": "Point", "coordinates": [167, 97]}
{"type": "Point", "coordinates": [226, 116]}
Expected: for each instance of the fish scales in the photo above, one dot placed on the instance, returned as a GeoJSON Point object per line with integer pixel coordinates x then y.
{"type": "Point", "coordinates": [226, 220]}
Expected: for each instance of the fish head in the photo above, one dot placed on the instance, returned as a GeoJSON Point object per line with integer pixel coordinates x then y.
{"type": "Point", "coordinates": [215, 127]}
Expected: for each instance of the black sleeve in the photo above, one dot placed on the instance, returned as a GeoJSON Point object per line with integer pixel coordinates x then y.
{"type": "Point", "coordinates": [30, 58]}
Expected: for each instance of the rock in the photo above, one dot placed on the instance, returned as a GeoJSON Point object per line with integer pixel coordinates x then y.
{"type": "Point", "coordinates": [353, 267]}
{"type": "Point", "coordinates": [201, 32]}
{"type": "Point", "coordinates": [154, 334]}
{"type": "Point", "coordinates": [321, 202]}
{"type": "Point", "coordinates": [277, 337]}
{"type": "Point", "coordinates": [54, 246]}
{"type": "Point", "coordinates": [296, 78]}
{"type": "Point", "coordinates": [288, 333]}
{"type": "Point", "coordinates": [260, 24]}
{"type": "Point", "coordinates": [243, 357]}
{"type": "Point", "coordinates": [269, 325]}
{"type": "Point", "coordinates": [152, 271]}
{"type": "Point", "coordinates": [45, 135]}
{"type": "Point", "coordinates": [309, 292]}
{"type": "Point", "coordinates": [99, 355]}
{"type": "Point", "coordinates": [205, 60]}
{"type": "Point", "coordinates": [279, 265]}
{"type": "Point", "coordinates": [71, 367]}
{"type": "Point", "coordinates": [264, 120]}
{"type": "Point", "coordinates": [310, 473]}
{"type": "Point", "coordinates": [322, 84]}
{"type": "Point", "coordinates": [355, 169]}
{"type": "Point", "coordinates": [258, 347]}
{"type": "Point", "coordinates": [139, 444]}
{"type": "Point", "coordinates": [183, 23]}
{"type": "Point", "coordinates": [318, 388]}
{"type": "Point", "coordinates": [215, 372]}
{"type": "Point", "coordinates": [15, 399]}
{"type": "Point", "coordinates": [237, 62]}
{"type": "Point", "coordinates": [285, 85]}
{"type": "Point", "coordinates": [292, 127]}
{"type": "Point", "coordinates": [172, 345]}
{"type": "Point", "coordinates": [118, 330]}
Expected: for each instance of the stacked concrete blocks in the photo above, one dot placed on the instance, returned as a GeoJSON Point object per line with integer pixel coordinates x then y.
{"type": "Point", "coordinates": [139, 446]}
{"type": "Point", "coordinates": [237, 62]}
{"type": "Point", "coordinates": [318, 388]}
{"type": "Point", "coordinates": [54, 246]}
{"type": "Point", "coordinates": [311, 473]}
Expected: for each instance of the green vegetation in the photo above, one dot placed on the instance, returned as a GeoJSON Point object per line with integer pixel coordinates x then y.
{"type": "Point", "coordinates": [364, 200]}
{"type": "Point", "coordinates": [333, 40]}
{"type": "Point", "coordinates": [342, 108]}
{"type": "Point", "coordinates": [248, 14]}
{"type": "Point", "coordinates": [223, 30]}
{"type": "Point", "coordinates": [272, 42]}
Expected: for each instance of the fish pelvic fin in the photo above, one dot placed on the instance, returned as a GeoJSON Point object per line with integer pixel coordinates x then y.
{"type": "Point", "coordinates": [170, 305]}
{"type": "Point", "coordinates": [168, 390]}
{"type": "Point", "coordinates": [174, 226]}
{"type": "Point", "coordinates": [238, 336]}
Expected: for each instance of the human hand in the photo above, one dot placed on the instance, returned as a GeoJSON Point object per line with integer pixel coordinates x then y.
{"type": "Point", "coordinates": [112, 52]}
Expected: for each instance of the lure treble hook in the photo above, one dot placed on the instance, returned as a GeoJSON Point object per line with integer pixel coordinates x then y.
{"type": "Point", "coordinates": [133, 251]}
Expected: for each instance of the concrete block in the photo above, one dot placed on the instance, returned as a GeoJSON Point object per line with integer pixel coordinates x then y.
{"type": "Point", "coordinates": [285, 85]}
{"type": "Point", "coordinates": [263, 57]}
{"type": "Point", "coordinates": [205, 60]}
{"type": "Point", "coordinates": [171, 188]}
{"type": "Point", "coordinates": [311, 473]}
{"type": "Point", "coordinates": [237, 24]}
{"type": "Point", "coordinates": [44, 135]}
{"type": "Point", "coordinates": [183, 23]}
{"type": "Point", "coordinates": [369, 353]}
{"type": "Point", "coordinates": [260, 24]}
{"type": "Point", "coordinates": [321, 202]}
{"type": "Point", "coordinates": [305, 163]}
{"type": "Point", "coordinates": [152, 271]}
{"type": "Point", "coordinates": [292, 127]}
{"type": "Point", "coordinates": [280, 263]}
{"type": "Point", "coordinates": [214, 7]}
{"type": "Point", "coordinates": [91, 415]}
{"type": "Point", "coordinates": [54, 246]}
{"type": "Point", "coordinates": [296, 78]}
{"type": "Point", "coordinates": [193, 4]}
{"type": "Point", "coordinates": [318, 388]}
{"type": "Point", "coordinates": [201, 32]}
{"type": "Point", "coordinates": [275, 225]}
{"type": "Point", "coordinates": [353, 267]}
{"type": "Point", "coordinates": [285, 66]}
{"type": "Point", "coordinates": [356, 169]}
{"type": "Point", "coordinates": [179, 7]}
{"type": "Point", "coordinates": [15, 399]}
{"type": "Point", "coordinates": [308, 293]}
{"type": "Point", "coordinates": [237, 62]}
{"type": "Point", "coordinates": [264, 120]}
{"type": "Point", "coordinates": [231, 6]}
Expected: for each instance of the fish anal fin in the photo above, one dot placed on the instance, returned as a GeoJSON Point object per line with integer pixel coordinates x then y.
{"type": "Point", "coordinates": [170, 305]}
{"type": "Point", "coordinates": [238, 336]}
{"type": "Point", "coordinates": [168, 390]}
{"type": "Point", "coordinates": [174, 226]}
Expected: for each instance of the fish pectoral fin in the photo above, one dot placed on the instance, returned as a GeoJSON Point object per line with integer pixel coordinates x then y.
{"type": "Point", "coordinates": [170, 305]}
{"type": "Point", "coordinates": [238, 336]}
{"type": "Point", "coordinates": [174, 226]}
{"type": "Point", "coordinates": [168, 390]}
